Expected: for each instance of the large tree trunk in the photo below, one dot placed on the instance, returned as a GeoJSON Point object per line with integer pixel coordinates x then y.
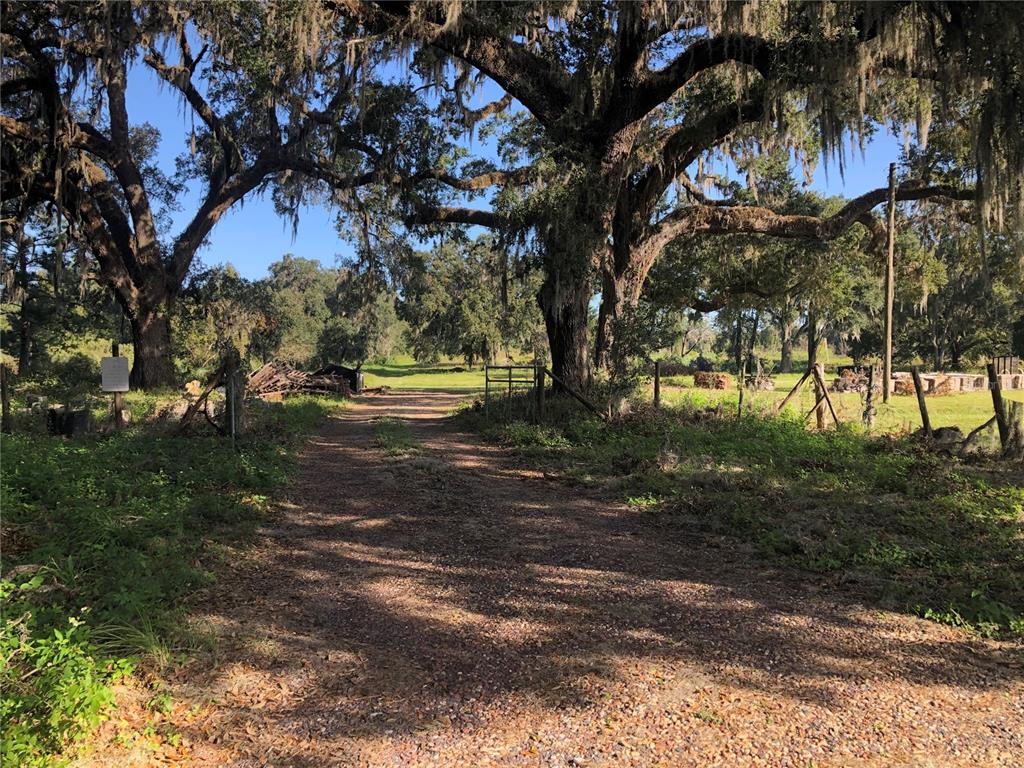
{"type": "Point", "coordinates": [565, 319]}
{"type": "Point", "coordinates": [25, 338]}
{"type": "Point", "coordinates": [613, 302]}
{"type": "Point", "coordinates": [24, 324]}
{"type": "Point", "coordinates": [6, 423]}
{"type": "Point", "coordinates": [153, 367]}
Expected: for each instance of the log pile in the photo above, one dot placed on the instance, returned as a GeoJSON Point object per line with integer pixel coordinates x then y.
{"type": "Point", "coordinates": [903, 385]}
{"type": "Point", "coordinates": [711, 380]}
{"type": "Point", "coordinates": [850, 381]}
{"type": "Point", "coordinates": [275, 380]}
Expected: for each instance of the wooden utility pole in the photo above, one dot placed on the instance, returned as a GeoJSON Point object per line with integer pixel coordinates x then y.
{"type": "Point", "coordinates": [890, 286]}
{"type": "Point", "coordinates": [869, 399]}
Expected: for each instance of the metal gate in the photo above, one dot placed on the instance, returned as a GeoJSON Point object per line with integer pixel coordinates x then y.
{"type": "Point", "coordinates": [502, 382]}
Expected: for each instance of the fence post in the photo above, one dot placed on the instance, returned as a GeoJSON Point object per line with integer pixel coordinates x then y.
{"type": "Point", "coordinates": [919, 388]}
{"type": "Point", "coordinates": [118, 410]}
{"type": "Point", "coordinates": [819, 399]}
{"type": "Point", "coordinates": [657, 383]}
{"type": "Point", "coordinates": [538, 376]}
{"type": "Point", "coordinates": [997, 403]}
{"type": "Point", "coordinates": [487, 389]}
{"type": "Point", "coordinates": [869, 400]}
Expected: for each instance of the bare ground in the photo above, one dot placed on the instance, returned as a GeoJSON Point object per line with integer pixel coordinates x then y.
{"type": "Point", "coordinates": [450, 607]}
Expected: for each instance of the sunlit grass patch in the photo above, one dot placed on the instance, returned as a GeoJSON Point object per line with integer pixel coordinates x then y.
{"type": "Point", "coordinates": [394, 435]}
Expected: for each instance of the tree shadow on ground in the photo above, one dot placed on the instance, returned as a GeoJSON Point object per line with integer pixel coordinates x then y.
{"type": "Point", "coordinates": [397, 595]}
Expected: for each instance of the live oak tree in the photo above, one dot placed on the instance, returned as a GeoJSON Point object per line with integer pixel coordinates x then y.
{"type": "Point", "coordinates": [626, 98]}
{"type": "Point", "coordinates": [260, 112]}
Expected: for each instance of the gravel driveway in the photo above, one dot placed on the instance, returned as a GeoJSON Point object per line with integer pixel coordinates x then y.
{"type": "Point", "coordinates": [451, 608]}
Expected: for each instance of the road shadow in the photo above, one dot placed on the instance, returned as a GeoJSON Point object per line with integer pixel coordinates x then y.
{"type": "Point", "coordinates": [396, 596]}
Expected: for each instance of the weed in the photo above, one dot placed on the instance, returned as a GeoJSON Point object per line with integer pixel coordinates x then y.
{"type": "Point", "coordinates": [705, 715]}
{"type": "Point", "coordinates": [394, 436]}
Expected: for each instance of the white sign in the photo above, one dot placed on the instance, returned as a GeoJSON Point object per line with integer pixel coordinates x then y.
{"type": "Point", "coordinates": [114, 374]}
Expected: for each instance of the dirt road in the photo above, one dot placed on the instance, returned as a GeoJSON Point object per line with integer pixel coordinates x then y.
{"type": "Point", "coordinates": [452, 608]}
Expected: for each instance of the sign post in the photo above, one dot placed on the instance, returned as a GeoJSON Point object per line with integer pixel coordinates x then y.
{"type": "Point", "coordinates": [114, 378]}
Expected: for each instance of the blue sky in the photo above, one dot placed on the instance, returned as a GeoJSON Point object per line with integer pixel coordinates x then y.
{"type": "Point", "coordinates": [251, 236]}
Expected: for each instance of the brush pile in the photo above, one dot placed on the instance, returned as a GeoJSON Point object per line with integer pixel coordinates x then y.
{"type": "Point", "coordinates": [276, 379]}
{"type": "Point", "coordinates": [711, 380]}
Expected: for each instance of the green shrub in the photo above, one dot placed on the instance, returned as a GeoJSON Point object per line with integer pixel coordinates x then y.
{"type": "Point", "coordinates": [55, 687]}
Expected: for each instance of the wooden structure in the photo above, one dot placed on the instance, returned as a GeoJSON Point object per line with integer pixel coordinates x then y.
{"type": "Point", "coordinates": [821, 399]}
{"type": "Point", "coordinates": [501, 382]}
{"type": "Point", "coordinates": [277, 378]}
{"type": "Point", "coordinates": [919, 390]}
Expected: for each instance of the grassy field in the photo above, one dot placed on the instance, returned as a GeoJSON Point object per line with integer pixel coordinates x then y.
{"type": "Point", "coordinates": [966, 410]}
{"type": "Point", "coordinates": [405, 373]}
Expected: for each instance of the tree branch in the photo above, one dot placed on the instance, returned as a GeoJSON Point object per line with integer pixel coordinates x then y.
{"type": "Point", "coordinates": [181, 79]}
{"type": "Point", "coordinates": [685, 144]}
{"type": "Point", "coordinates": [755, 220]}
{"type": "Point", "coordinates": [482, 181]}
{"type": "Point", "coordinates": [121, 162]}
{"type": "Point", "coordinates": [533, 80]}
{"type": "Point", "coordinates": [742, 219]}
{"type": "Point", "coordinates": [455, 215]}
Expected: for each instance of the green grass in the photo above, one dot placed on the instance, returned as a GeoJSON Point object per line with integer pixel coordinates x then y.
{"type": "Point", "coordinates": [105, 537]}
{"type": "Point", "coordinates": [394, 435]}
{"type": "Point", "coordinates": [404, 373]}
{"type": "Point", "coordinates": [966, 410]}
{"type": "Point", "coordinates": [913, 530]}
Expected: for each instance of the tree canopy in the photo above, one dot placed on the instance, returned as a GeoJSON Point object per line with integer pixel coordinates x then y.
{"type": "Point", "coordinates": [618, 127]}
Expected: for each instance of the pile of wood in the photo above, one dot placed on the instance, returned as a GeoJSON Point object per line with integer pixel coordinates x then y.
{"type": "Point", "coordinates": [903, 385]}
{"type": "Point", "coordinates": [760, 383]}
{"type": "Point", "coordinates": [712, 380]}
{"type": "Point", "coordinates": [850, 381]}
{"type": "Point", "coordinates": [275, 380]}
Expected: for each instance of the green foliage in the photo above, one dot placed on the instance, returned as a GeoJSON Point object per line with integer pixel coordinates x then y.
{"type": "Point", "coordinates": [113, 533]}
{"type": "Point", "coordinates": [365, 324]}
{"type": "Point", "coordinates": [462, 300]}
{"type": "Point", "coordinates": [301, 290]}
{"type": "Point", "coordinates": [222, 313]}
{"type": "Point", "coordinates": [915, 531]}
{"type": "Point", "coordinates": [394, 435]}
{"type": "Point", "coordinates": [69, 380]}
{"type": "Point", "coordinates": [55, 687]}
